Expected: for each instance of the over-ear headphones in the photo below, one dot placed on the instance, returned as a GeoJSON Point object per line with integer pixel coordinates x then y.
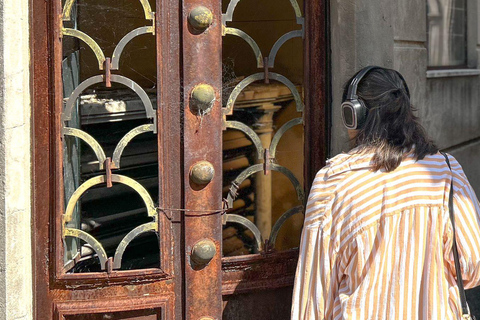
{"type": "Point", "coordinates": [354, 110]}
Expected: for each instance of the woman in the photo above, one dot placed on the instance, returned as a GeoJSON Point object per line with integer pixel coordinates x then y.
{"type": "Point", "coordinates": [377, 239]}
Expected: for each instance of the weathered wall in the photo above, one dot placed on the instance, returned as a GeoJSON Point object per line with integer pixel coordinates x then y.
{"type": "Point", "coordinates": [393, 34]}
{"type": "Point", "coordinates": [3, 297]}
{"type": "Point", "coordinates": [361, 35]}
{"type": "Point", "coordinates": [15, 241]}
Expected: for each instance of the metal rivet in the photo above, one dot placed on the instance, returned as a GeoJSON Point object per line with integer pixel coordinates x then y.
{"type": "Point", "coordinates": [203, 252]}
{"type": "Point", "coordinates": [203, 97]}
{"type": "Point", "coordinates": [200, 18]}
{"type": "Point", "coordinates": [202, 172]}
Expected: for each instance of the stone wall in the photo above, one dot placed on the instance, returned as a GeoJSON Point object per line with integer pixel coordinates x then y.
{"type": "Point", "coordinates": [15, 179]}
{"type": "Point", "coordinates": [393, 34]}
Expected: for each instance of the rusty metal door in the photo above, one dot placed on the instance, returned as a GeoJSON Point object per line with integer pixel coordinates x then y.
{"type": "Point", "coordinates": [162, 155]}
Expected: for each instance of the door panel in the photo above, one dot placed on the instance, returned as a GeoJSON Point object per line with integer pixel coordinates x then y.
{"type": "Point", "coordinates": [263, 174]}
{"type": "Point", "coordinates": [259, 305]}
{"type": "Point", "coordinates": [125, 315]}
{"type": "Point", "coordinates": [112, 118]}
{"type": "Point", "coordinates": [103, 247]}
{"type": "Point", "coordinates": [148, 308]}
{"type": "Point", "coordinates": [263, 155]}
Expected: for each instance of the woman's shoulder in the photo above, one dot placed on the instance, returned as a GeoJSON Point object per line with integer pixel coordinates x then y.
{"type": "Point", "coordinates": [440, 159]}
{"type": "Point", "coordinates": [460, 177]}
{"type": "Point", "coordinates": [345, 162]}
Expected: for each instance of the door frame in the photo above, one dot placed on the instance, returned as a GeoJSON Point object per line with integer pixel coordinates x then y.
{"type": "Point", "coordinates": [44, 193]}
{"type": "Point", "coordinates": [49, 285]}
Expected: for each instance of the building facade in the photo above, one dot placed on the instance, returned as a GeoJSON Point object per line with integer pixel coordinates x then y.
{"type": "Point", "coordinates": [340, 37]}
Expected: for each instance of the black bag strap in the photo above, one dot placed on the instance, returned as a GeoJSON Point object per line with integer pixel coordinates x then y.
{"type": "Point", "coordinates": [458, 270]}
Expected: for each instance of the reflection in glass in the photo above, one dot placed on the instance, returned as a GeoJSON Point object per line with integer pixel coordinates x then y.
{"type": "Point", "coordinates": [259, 193]}
{"type": "Point", "coordinates": [446, 32]}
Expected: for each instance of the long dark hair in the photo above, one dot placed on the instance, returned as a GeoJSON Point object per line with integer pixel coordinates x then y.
{"type": "Point", "coordinates": [391, 130]}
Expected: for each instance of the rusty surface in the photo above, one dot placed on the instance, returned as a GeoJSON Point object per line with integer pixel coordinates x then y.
{"type": "Point", "coordinates": [56, 105]}
{"type": "Point", "coordinates": [202, 142]}
{"type": "Point", "coordinates": [244, 274]}
{"type": "Point", "coordinates": [169, 135]}
{"type": "Point", "coordinates": [109, 265]}
{"type": "Point", "coordinates": [108, 73]}
{"type": "Point", "coordinates": [272, 304]}
{"type": "Point", "coordinates": [265, 70]}
{"type": "Point", "coordinates": [103, 279]}
{"type": "Point", "coordinates": [266, 164]}
{"type": "Point", "coordinates": [317, 91]}
{"type": "Point", "coordinates": [158, 305]}
{"type": "Point", "coordinates": [41, 184]}
{"type": "Point", "coordinates": [108, 172]}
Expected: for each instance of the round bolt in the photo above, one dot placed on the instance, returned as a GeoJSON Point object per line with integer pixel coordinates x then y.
{"type": "Point", "coordinates": [202, 172]}
{"type": "Point", "coordinates": [200, 18]}
{"type": "Point", "coordinates": [203, 252]}
{"type": "Point", "coordinates": [203, 97]}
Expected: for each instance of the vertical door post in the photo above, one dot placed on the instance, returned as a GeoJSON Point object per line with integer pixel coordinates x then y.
{"type": "Point", "coordinates": [316, 83]}
{"type": "Point", "coordinates": [202, 157]}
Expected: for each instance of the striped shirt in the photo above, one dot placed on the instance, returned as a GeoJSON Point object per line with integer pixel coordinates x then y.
{"type": "Point", "coordinates": [378, 245]}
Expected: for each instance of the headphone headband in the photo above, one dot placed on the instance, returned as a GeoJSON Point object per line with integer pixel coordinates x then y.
{"type": "Point", "coordinates": [352, 88]}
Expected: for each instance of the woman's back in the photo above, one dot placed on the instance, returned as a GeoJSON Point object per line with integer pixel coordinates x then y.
{"type": "Point", "coordinates": [377, 245]}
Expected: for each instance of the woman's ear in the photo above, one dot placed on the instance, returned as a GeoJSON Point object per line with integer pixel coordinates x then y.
{"type": "Point", "coordinates": [352, 134]}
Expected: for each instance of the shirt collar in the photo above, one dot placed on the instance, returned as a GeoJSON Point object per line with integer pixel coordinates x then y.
{"type": "Point", "coordinates": [355, 159]}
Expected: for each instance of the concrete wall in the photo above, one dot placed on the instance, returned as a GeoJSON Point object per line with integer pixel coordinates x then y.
{"type": "Point", "coordinates": [393, 34]}
{"type": "Point", "coordinates": [15, 228]}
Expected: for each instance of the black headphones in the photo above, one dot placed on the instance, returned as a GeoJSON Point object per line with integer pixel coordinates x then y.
{"type": "Point", "coordinates": [354, 110]}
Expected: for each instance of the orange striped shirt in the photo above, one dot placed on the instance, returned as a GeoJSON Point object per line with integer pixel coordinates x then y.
{"type": "Point", "coordinates": [377, 245]}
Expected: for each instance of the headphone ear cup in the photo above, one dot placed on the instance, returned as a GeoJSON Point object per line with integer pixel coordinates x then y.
{"type": "Point", "coordinates": [354, 113]}
{"type": "Point", "coordinates": [362, 113]}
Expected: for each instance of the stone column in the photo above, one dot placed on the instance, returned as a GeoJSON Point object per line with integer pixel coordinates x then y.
{"type": "Point", "coordinates": [263, 183]}
{"type": "Point", "coordinates": [16, 301]}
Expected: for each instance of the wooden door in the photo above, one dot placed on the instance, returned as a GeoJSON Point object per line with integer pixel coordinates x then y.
{"type": "Point", "coordinates": [146, 205]}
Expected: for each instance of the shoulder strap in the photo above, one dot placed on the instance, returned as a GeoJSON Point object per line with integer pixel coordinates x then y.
{"type": "Point", "coordinates": [458, 270]}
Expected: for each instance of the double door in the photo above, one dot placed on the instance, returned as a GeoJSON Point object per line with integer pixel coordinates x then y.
{"type": "Point", "coordinates": [174, 143]}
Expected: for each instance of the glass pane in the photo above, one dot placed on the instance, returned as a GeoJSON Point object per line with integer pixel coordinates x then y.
{"type": "Point", "coordinates": [263, 137]}
{"type": "Point", "coordinates": [109, 79]}
{"type": "Point", "coordinates": [446, 33]}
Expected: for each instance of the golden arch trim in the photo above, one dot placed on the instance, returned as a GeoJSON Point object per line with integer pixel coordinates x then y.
{"type": "Point", "coordinates": [67, 10]}
{"type": "Point", "coordinates": [67, 217]}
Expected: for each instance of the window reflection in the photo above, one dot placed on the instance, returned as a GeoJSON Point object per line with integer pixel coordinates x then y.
{"type": "Point", "coordinates": [446, 32]}
{"type": "Point", "coordinates": [263, 196]}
